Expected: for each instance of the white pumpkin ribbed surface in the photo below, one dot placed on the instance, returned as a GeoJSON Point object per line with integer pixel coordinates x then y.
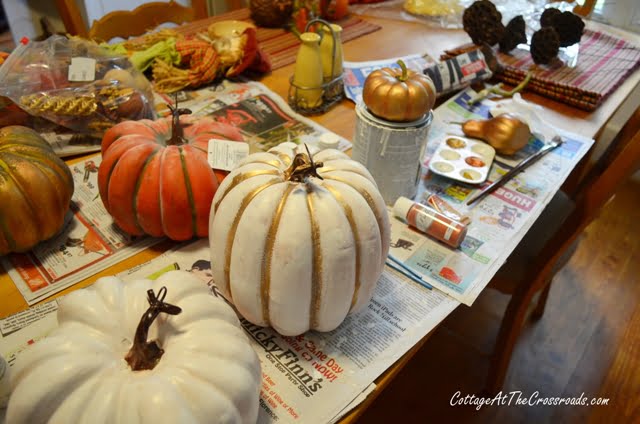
{"type": "Point", "coordinates": [208, 374]}
{"type": "Point", "coordinates": [298, 255]}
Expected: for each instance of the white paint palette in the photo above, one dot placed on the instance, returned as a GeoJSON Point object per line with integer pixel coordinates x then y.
{"type": "Point", "coordinates": [462, 159]}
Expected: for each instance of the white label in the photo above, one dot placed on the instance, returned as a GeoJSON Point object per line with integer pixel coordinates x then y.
{"type": "Point", "coordinates": [225, 154]}
{"type": "Point", "coordinates": [423, 221]}
{"type": "Point", "coordinates": [82, 69]}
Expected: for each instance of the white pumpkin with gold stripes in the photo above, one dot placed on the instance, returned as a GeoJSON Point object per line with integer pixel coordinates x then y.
{"type": "Point", "coordinates": [298, 242]}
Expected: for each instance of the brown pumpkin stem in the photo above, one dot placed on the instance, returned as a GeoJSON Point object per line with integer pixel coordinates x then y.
{"type": "Point", "coordinates": [144, 355]}
{"type": "Point", "coordinates": [403, 77]}
{"type": "Point", "coordinates": [303, 167]}
{"type": "Point", "coordinates": [177, 134]}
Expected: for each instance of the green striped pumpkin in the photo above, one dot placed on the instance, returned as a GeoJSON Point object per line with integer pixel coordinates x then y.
{"type": "Point", "coordinates": [297, 247]}
{"type": "Point", "coordinates": [35, 189]}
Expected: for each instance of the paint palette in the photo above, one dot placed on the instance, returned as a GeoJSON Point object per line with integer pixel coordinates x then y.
{"type": "Point", "coordinates": [462, 159]}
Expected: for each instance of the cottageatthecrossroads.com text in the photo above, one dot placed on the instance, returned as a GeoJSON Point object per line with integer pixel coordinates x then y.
{"type": "Point", "coordinates": [516, 397]}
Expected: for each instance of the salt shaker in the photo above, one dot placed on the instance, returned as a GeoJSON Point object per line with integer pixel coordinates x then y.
{"type": "Point", "coordinates": [307, 75]}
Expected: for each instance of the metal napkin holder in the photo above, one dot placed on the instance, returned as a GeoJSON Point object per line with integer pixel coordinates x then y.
{"type": "Point", "coordinates": [332, 91]}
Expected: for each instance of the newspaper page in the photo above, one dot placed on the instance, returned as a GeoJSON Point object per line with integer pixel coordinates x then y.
{"type": "Point", "coordinates": [355, 73]}
{"type": "Point", "coordinates": [263, 117]}
{"type": "Point", "coordinates": [498, 222]}
{"type": "Point", "coordinates": [88, 243]}
{"type": "Point", "coordinates": [66, 144]}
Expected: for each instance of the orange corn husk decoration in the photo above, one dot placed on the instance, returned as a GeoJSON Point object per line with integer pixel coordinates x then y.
{"type": "Point", "coordinates": [202, 63]}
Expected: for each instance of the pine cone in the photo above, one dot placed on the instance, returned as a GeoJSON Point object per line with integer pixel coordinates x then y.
{"type": "Point", "coordinates": [514, 34]}
{"type": "Point", "coordinates": [483, 22]}
{"type": "Point", "coordinates": [569, 27]}
{"type": "Point", "coordinates": [545, 45]}
{"type": "Point", "coordinates": [547, 16]}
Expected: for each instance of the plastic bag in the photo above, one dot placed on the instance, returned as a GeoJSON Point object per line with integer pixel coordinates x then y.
{"type": "Point", "coordinates": [76, 84]}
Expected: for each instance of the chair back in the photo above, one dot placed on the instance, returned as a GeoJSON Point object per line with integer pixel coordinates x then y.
{"type": "Point", "coordinates": [619, 162]}
{"type": "Point", "coordinates": [124, 23]}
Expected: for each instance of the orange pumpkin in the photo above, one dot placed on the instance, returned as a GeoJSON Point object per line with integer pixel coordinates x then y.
{"type": "Point", "coordinates": [399, 95]}
{"type": "Point", "coordinates": [155, 179]}
{"type": "Point", "coordinates": [35, 189]}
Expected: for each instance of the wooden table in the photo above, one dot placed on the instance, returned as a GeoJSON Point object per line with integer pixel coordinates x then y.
{"type": "Point", "coordinates": [396, 38]}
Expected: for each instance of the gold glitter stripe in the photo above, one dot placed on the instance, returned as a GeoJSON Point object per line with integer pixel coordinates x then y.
{"type": "Point", "coordinates": [234, 227]}
{"type": "Point", "coordinates": [274, 163]}
{"type": "Point", "coordinates": [285, 158]}
{"type": "Point", "coordinates": [265, 283]}
{"type": "Point", "coordinates": [372, 205]}
{"type": "Point", "coordinates": [243, 177]}
{"type": "Point", "coordinates": [348, 212]}
{"type": "Point", "coordinates": [316, 254]}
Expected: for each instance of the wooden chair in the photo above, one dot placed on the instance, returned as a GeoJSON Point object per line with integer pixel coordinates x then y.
{"type": "Point", "coordinates": [550, 242]}
{"type": "Point", "coordinates": [123, 23]}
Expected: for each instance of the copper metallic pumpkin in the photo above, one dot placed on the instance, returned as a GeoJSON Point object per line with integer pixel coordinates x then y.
{"type": "Point", "coordinates": [35, 189]}
{"type": "Point", "coordinates": [398, 94]}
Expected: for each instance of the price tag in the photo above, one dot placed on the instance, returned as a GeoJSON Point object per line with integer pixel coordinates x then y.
{"type": "Point", "coordinates": [82, 69]}
{"type": "Point", "coordinates": [225, 154]}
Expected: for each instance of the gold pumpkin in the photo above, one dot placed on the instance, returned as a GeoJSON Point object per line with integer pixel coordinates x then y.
{"type": "Point", "coordinates": [398, 95]}
{"type": "Point", "coordinates": [35, 189]}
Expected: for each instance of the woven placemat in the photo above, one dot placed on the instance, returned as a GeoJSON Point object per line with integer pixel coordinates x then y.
{"type": "Point", "coordinates": [604, 62]}
{"type": "Point", "coordinates": [280, 44]}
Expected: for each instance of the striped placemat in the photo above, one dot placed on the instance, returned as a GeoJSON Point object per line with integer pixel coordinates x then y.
{"type": "Point", "coordinates": [280, 44]}
{"type": "Point", "coordinates": [604, 62]}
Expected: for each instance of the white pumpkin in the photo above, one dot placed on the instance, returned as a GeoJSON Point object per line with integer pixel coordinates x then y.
{"type": "Point", "coordinates": [208, 372]}
{"type": "Point", "coordinates": [296, 244]}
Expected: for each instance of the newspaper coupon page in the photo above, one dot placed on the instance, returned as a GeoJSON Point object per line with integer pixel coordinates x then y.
{"type": "Point", "coordinates": [499, 221]}
{"type": "Point", "coordinates": [263, 117]}
{"type": "Point", "coordinates": [315, 377]}
{"type": "Point", "coordinates": [88, 243]}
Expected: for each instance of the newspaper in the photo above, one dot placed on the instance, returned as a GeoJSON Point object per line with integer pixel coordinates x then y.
{"type": "Point", "coordinates": [311, 378]}
{"type": "Point", "coordinates": [88, 243]}
{"type": "Point", "coordinates": [66, 144]}
{"type": "Point", "coordinates": [355, 73]}
{"type": "Point", "coordinates": [498, 222]}
{"type": "Point", "coordinates": [263, 117]}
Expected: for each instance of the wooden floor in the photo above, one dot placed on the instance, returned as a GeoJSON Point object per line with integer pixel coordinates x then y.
{"type": "Point", "coordinates": [587, 342]}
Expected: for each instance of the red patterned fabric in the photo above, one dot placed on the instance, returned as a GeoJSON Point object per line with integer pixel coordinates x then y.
{"type": "Point", "coordinates": [604, 62]}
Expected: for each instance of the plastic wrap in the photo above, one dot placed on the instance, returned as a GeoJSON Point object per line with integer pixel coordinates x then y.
{"type": "Point", "coordinates": [76, 84]}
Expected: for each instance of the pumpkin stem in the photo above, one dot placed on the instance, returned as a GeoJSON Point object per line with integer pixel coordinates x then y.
{"type": "Point", "coordinates": [303, 167]}
{"type": "Point", "coordinates": [144, 355]}
{"type": "Point", "coordinates": [177, 135]}
{"type": "Point", "coordinates": [403, 67]}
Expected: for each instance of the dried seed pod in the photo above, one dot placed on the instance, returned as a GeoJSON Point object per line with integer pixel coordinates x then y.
{"type": "Point", "coordinates": [514, 34]}
{"type": "Point", "coordinates": [483, 22]}
{"type": "Point", "coordinates": [547, 16]}
{"type": "Point", "coordinates": [569, 27]}
{"type": "Point", "coordinates": [545, 45]}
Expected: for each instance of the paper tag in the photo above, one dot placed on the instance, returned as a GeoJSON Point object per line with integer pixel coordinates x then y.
{"type": "Point", "coordinates": [82, 69]}
{"type": "Point", "coordinates": [225, 154]}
